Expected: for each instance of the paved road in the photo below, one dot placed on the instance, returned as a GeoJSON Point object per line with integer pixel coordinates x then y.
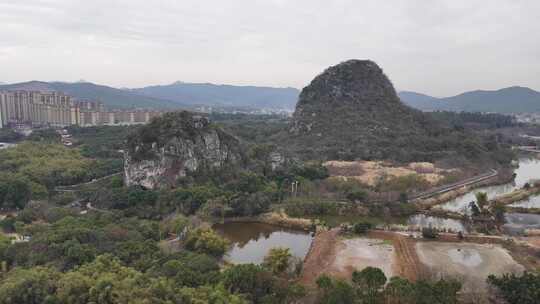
{"type": "Point", "coordinates": [450, 187]}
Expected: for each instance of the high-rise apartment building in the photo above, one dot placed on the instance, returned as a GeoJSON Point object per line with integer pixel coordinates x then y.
{"type": "Point", "coordinates": [38, 108]}
{"type": "Point", "coordinates": [54, 109]}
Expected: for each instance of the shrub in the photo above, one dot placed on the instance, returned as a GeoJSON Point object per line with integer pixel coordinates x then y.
{"type": "Point", "coordinates": [206, 241]}
{"type": "Point", "coordinates": [403, 198]}
{"type": "Point", "coordinates": [298, 207]}
{"type": "Point", "coordinates": [524, 289]}
{"type": "Point", "coordinates": [277, 259]}
{"type": "Point", "coordinates": [362, 227]}
{"type": "Point", "coordinates": [430, 233]}
{"type": "Point", "coordinates": [357, 195]}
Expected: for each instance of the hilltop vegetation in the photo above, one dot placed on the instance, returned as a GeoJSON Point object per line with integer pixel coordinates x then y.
{"type": "Point", "coordinates": [351, 111]}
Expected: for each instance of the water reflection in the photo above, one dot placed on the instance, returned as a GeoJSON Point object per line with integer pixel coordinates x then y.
{"type": "Point", "coordinates": [426, 221]}
{"type": "Point", "coordinates": [531, 202]}
{"type": "Point", "coordinates": [516, 223]}
{"type": "Point", "coordinates": [252, 241]}
{"type": "Point", "coordinates": [529, 169]}
{"type": "Point", "coordinates": [464, 256]}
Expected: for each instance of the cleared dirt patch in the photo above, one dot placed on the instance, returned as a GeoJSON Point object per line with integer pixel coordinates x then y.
{"type": "Point", "coordinates": [359, 253]}
{"type": "Point", "coordinates": [468, 262]}
{"type": "Point", "coordinates": [320, 256]}
{"type": "Point", "coordinates": [370, 172]}
{"type": "Point", "coordinates": [339, 257]}
{"type": "Point", "coordinates": [534, 241]}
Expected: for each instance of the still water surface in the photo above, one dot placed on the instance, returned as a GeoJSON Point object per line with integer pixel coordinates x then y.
{"type": "Point", "coordinates": [529, 169]}
{"type": "Point", "coordinates": [427, 221]}
{"type": "Point", "coordinates": [252, 241]}
{"type": "Point", "coordinates": [516, 223]}
{"type": "Point", "coordinates": [531, 202]}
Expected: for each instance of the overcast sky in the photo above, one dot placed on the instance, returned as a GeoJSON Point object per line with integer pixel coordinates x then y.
{"type": "Point", "coordinates": [441, 47]}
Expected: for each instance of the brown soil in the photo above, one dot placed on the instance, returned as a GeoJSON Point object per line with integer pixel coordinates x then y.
{"type": "Point", "coordinates": [468, 262]}
{"type": "Point", "coordinates": [370, 172]}
{"type": "Point", "coordinates": [408, 263]}
{"type": "Point", "coordinates": [320, 256]}
{"type": "Point", "coordinates": [331, 255]}
{"type": "Point", "coordinates": [527, 255]}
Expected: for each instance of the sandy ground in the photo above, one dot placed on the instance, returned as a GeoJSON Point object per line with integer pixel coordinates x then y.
{"type": "Point", "coordinates": [359, 253]}
{"type": "Point", "coordinates": [370, 172]}
{"type": "Point", "coordinates": [339, 257]}
{"type": "Point", "coordinates": [534, 241]}
{"type": "Point", "coordinates": [471, 263]}
{"type": "Point", "coordinates": [320, 256]}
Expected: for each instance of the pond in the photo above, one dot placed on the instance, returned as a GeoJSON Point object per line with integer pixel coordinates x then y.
{"type": "Point", "coordinates": [439, 223]}
{"type": "Point", "coordinates": [516, 223]}
{"type": "Point", "coordinates": [417, 221]}
{"type": "Point", "coordinates": [531, 202]}
{"type": "Point", "coordinates": [529, 169]}
{"type": "Point", "coordinates": [250, 242]}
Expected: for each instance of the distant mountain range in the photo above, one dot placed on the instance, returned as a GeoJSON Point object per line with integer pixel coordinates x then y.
{"type": "Point", "coordinates": [224, 95]}
{"type": "Point", "coordinates": [112, 97]}
{"type": "Point", "coordinates": [507, 100]}
{"type": "Point", "coordinates": [173, 96]}
{"type": "Point", "coordinates": [181, 95]}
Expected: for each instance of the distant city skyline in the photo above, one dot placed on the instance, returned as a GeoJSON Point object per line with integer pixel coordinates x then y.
{"type": "Point", "coordinates": [440, 48]}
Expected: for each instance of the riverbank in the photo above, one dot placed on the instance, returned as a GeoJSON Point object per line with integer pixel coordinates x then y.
{"type": "Point", "coordinates": [517, 196]}
{"type": "Point", "coordinates": [503, 177]}
{"type": "Point", "coordinates": [280, 219]}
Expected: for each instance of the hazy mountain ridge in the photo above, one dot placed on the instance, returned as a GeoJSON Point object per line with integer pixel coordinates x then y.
{"type": "Point", "coordinates": [111, 97]}
{"type": "Point", "coordinates": [173, 96]}
{"type": "Point", "coordinates": [224, 95]}
{"type": "Point", "coordinates": [507, 100]}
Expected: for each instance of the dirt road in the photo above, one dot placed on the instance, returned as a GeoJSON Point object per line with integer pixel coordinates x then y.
{"type": "Point", "coordinates": [331, 254]}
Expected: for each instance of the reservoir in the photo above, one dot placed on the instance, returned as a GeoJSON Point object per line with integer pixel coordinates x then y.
{"type": "Point", "coordinates": [250, 242]}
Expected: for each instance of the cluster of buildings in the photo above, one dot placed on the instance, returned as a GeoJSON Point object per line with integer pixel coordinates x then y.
{"type": "Point", "coordinates": [58, 110]}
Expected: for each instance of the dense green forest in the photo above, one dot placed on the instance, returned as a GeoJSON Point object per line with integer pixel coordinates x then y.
{"type": "Point", "coordinates": [122, 250]}
{"type": "Point", "coordinates": [31, 170]}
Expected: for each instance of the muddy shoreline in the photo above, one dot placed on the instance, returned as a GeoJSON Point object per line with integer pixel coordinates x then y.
{"type": "Point", "coordinates": [517, 195]}
{"type": "Point", "coordinates": [502, 178]}
{"type": "Point", "coordinates": [271, 218]}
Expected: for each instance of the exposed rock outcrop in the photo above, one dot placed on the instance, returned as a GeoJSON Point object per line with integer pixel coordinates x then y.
{"type": "Point", "coordinates": [175, 145]}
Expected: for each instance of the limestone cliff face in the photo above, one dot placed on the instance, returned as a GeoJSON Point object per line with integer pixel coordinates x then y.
{"type": "Point", "coordinates": [174, 145]}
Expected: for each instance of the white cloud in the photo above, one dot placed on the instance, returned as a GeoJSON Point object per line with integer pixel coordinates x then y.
{"type": "Point", "coordinates": [438, 47]}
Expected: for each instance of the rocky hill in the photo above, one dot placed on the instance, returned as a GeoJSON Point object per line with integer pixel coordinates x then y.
{"type": "Point", "coordinates": [175, 146]}
{"type": "Point", "coordinates": [352, 111]}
